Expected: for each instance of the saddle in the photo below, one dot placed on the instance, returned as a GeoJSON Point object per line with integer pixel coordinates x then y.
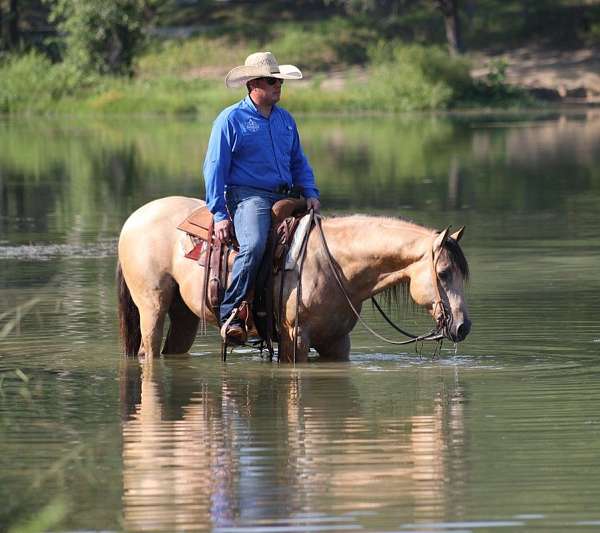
{"type": "Point", "coordinates": [217, 259]}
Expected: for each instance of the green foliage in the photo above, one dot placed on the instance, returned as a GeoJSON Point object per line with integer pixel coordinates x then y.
{"type": "Point", "coordinates": [168, 95]}
{"type": "Point", "coordinates": [182, 57]}
{"type": "Point", "coordinates": [499, 24]}
{"type": "Point", "coordinates": [177, 77]}
{"type": "Point", "coordinates": [497, 72]}
{"type": "Point", "coordinates": [334, 42]}
{"type": "Point", "coordinates": [417, 77]}
{"type": "Point", "coordinates": [591, 35]}
{"type": "Point", "coordinates": [45, 519]}
{"type": "Point", "coordinates": [322, 45]}
{"type": "Point", "coordinates": [493, 89]}
{"type": "Point", "coordinates": [32, 81]}
{"type": "Point", "coordinates": [100, 37]}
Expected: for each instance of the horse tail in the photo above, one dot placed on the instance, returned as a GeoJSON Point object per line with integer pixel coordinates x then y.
{"type": "Point", "coordinates": [129, 317]}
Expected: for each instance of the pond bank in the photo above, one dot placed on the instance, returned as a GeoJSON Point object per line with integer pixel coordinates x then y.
{"type": "Point", "coordinates": [567, 76]}
{"type": "Point", "coordinates": [401, 78]}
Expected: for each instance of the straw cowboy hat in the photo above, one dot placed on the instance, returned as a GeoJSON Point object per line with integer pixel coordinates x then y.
{"type": "Point", "coordinates": [259, 65]}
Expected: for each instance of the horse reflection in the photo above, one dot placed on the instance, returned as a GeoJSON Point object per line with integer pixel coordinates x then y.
{"type": "Point", "coordinates": [177, 471]}
{"type": "Point", "coordinates": [233, 448]}
{"type": "Point", "coordinates": [345, 455]}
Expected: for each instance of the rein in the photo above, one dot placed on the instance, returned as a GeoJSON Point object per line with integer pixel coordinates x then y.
{"type": "Point", "coordinates": [435, 334]}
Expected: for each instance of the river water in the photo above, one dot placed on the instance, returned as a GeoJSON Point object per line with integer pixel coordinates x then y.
{"type": "Point", "coordinates": [502, 431]}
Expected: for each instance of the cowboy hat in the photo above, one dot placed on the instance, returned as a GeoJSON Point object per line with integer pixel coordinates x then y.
{"type": "Point", "coordinates": [259, 65]}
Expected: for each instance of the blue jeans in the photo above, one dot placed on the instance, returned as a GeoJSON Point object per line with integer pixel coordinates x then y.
{"type": "Point", "coordinates": [250, 210]}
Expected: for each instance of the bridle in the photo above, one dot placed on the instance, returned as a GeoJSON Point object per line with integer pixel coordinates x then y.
{"type": "Point", "coordinates": [443, 317]}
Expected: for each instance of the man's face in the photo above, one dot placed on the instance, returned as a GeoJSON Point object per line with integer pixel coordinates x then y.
{"type": "Point", "coordinates": [266, 91]}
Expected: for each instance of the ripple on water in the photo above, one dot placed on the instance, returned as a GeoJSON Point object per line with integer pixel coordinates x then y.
{"type": "Point", "coordinates": [45, 252]}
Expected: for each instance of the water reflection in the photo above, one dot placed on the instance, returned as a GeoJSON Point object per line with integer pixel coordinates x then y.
{"type": "Point", "coordinates": [505, 431]}
{"type": "Point", "coordinates": [80, 180]}
{"type": "Point", "coordinates": [175, 471]}
{"type": "Point", "coordinates": [239, 449]}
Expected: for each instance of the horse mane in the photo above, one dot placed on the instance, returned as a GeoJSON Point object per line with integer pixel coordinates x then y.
{"type": "Point", "coordinates": [396, 296]}
{"type": "Point", "coordinates": [399, 294]}
{"type": "Point", "coordinates": [457, 257]}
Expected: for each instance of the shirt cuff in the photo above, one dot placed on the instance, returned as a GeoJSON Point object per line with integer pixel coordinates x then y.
{"type": "Point", "coordinates": [311, 193]}
{"type": "Point", "coordinates": [219, 216]}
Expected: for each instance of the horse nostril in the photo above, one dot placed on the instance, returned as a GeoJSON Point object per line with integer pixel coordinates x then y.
{"type": "Point", "coordinates": [463, 330]}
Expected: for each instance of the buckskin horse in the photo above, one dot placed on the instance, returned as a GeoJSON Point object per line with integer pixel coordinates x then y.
{"type": "Point", "coordinates": [350, 260]}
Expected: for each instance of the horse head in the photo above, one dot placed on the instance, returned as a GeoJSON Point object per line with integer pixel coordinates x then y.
{"type": "Point", "coordinates": [437, 282]}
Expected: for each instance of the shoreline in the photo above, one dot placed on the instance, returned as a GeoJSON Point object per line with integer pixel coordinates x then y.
{"type": "Point", "coordinates": [527, 78]}
{"type": "Point", "coordinates": [567, 76]}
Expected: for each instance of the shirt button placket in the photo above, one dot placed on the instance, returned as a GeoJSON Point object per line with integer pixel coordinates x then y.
{"type": "Point", "coordinates": [274, 149]}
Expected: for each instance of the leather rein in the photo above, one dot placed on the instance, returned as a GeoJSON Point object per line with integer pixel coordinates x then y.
{"type": "Point", "coordinates": [442, 322]}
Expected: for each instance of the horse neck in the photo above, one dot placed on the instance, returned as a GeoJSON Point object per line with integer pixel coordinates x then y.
{"type": "Point", "coordinates": [376, 253]}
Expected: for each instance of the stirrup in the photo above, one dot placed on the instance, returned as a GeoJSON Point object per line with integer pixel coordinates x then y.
{"type": "Point", "coordinates": [226, 325]}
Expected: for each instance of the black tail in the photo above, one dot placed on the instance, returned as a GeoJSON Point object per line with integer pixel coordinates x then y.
{"type": "Point", "coordinates": [129, 317]}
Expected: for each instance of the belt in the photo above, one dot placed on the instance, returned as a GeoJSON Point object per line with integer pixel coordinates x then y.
{"type": "Point", "coordinates": [284, 189]}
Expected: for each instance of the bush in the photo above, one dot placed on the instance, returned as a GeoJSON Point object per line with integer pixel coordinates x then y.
{"type": "Point", "coordinates": [100, 37]}
{"type": "Point", "coordinates": [32, 80]}
{"type": "Point", "coordinates": [411, 77]}
{"type": "Point", "coordinates": [322, 45]}
{"type": "Point", "coordinates": [176, 57]}
{"type": "Point", "coordinates": [494, 90]}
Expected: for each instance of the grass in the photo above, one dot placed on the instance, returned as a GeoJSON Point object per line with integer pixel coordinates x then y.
{"type": "Point", "coordinates": [46, 519]}
{"type": "Point", "coordinates": [186, 77]}
{"type": "Point", "coordinates": [20, 312]}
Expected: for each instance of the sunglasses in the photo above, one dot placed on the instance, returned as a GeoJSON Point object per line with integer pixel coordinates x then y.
{"type": "Point", "coordinates": [272, 81]}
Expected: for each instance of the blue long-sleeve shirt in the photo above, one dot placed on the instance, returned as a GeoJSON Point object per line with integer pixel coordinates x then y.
{"type": "Point", "coordinates": [250, 150]}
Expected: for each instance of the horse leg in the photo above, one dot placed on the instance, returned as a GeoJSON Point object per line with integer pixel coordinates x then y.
{"type": "Point", "coordinates": [153, 306]}
{"type": "Point", "coordinates": [335, 349]}
{"type": "Point", "coordinates": [151, 324]}
{"type": "Point", "coordinates": [183, 327]}
{"type": "Point", "coordinates": [285, 349]}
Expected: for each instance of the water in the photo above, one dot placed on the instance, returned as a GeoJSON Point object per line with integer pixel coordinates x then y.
{"type": "Point", "coordinates": [503, 433]}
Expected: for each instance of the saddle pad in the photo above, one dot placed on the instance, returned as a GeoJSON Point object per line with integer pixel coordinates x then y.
{"type": "Point", "coordinates": [293, 256]}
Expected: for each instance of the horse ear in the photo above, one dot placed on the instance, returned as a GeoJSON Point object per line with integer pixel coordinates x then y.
{"type": "Point", "coordinates": [457, 235]}
{"type": "Point", "coordinates": [441, 239]}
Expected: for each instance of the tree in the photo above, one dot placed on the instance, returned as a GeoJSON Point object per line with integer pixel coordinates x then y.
{"type": "Point", "coordinates": [448, 8]}
{"type": "Point", "coordinates": [9, 24]}
{"type": "Point", "coordinates": [100, 37]}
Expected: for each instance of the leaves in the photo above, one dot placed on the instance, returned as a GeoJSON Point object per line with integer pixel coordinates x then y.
{"type": "Point", "coordinates": [100, 37]}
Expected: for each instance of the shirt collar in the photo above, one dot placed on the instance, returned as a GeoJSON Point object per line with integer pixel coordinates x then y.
{"type": "Point", "coordinates": [248, 101]}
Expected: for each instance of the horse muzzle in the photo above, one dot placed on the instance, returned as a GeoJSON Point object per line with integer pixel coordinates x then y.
{"type": "Point", "coordinates": [458, 331]}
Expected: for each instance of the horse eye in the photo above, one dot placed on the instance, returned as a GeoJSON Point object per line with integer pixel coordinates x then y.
{"type": "Point", "coordinates": [445, 275]}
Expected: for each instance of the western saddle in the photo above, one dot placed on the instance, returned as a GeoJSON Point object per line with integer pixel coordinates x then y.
{"type": "Point", "coordinates": [216, 257]}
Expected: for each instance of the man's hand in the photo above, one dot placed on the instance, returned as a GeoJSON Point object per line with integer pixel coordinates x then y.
{"type": "Point", "coordinates": [313, 203]}
{"type": "Point", "coordinates": [224, 230]}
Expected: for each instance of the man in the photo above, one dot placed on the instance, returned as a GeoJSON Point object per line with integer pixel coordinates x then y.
{"type": "Point", "coordinates": [254, 158]}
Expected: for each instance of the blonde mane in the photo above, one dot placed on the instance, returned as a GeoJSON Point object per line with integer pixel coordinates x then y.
{"type": "Point", "coordinates": [390, 222]}
{"type": "Point", "coordinates": [399, 294]}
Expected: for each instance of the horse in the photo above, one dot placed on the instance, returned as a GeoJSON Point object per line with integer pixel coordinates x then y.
{"type": "Point", "coordinates": [354, 258]}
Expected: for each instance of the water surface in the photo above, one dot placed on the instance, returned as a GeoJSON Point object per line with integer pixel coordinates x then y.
{"type": "Point", "coordinates": [502, 431]}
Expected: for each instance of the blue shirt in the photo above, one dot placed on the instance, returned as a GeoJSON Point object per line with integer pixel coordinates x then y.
{"type": "Point", "coordinates": [250, 150]}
